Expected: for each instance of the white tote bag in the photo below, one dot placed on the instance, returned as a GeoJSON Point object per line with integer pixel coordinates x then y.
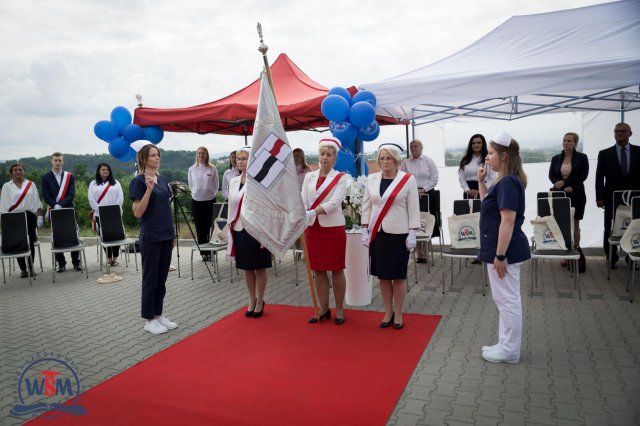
{"type": "Point", "coordinates": [547, 233]}
{"type": "Point", "coordinates": [464, 230]}
{"type": "Point", "coordinates": [427, 223]}
{"type": "Point", "coordinates": [630, 241]}
{"type": "Point", "coordinates": [220, 229]}
{"type": "Point", "coordinates": [623, 215]}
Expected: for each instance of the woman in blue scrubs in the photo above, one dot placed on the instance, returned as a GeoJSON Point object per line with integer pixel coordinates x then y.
{"type": "Point", "coordinates": [151, 198]}
{"type": "Point", "coordinates": [503, 245]}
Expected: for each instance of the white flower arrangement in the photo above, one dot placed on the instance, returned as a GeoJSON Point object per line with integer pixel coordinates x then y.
{"type": "Point", "coordinates": [352, 203]}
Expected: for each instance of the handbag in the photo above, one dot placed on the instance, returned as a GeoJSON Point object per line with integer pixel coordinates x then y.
{"type": "Point", "coordinates": [220, 232]}
{"type": "Point", "coordinates": [630, 241]}
{"type": "Point", "coordinates": [547, 233]}
{"type": "Point", "coordinates": [464, 230]}
{"type": "Point", "coordinates": [623, 215]}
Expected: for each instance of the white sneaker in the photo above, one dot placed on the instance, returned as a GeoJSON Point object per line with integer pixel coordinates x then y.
{"type": "Point", "coordinates": [166, 322]}
{"type": "Point", "coordinates": [498, 355]}
{"type": "Point", "coordinates": [489, 348]}
{"type": "Point", "coordinates": [154, 327]}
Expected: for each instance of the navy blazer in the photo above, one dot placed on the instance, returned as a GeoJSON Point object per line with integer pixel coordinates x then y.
{"type": "Point", "coordinates": [609, 176]}
{"type": "Point", "coordinates": [51, 187]}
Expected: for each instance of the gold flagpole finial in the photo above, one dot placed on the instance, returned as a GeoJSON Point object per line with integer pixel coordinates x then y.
{"type": "Point", "coordinates": [263, 47]}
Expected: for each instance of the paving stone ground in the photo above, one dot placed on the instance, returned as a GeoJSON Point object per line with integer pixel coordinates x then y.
{"type": "Point", "coordinates": [580, 361]}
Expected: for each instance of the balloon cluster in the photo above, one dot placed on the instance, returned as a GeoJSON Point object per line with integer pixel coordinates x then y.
{"type": "Point", "coordinates": [119, 133]}
{"type": "Point", "coordinates": [350, 119]}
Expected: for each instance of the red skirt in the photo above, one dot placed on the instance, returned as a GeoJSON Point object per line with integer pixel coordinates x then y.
{"type": "Point", "coordinates": [326, 247]}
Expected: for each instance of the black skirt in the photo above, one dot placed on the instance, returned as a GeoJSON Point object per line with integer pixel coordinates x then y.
{"type": "Point", "coordinates": [389, 256]}
{"type": "Point", "coordinates": [249, 255]}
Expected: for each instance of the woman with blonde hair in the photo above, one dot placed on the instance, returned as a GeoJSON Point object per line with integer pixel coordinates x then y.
{"type": "Point", "coordinates": [390, 218]}
{"type": "Point", "coordinates": [322, 193]}
{"type": "Point", "coordinates": [503, 245]}
{"type": "Point", "coordinates": [203, 182]}
{"type": "Point", "coordinates": [301, 165]}
{"type": "Point", "coordinates": [151, 198]}
{"type": "Point", "coordinates": [249, 254]}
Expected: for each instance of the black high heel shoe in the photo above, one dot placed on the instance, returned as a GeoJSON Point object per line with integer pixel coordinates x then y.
{"type": "Point", "coordinates": [398, 326]}
{"type": "Point", "coordinates": [259, 314]}
{"type": "Point", "coordinates": [385, 324]}
{"type": "Point", "coordinates": [249, 313]}
{"type": "Point", "coordinates": [326, 315]}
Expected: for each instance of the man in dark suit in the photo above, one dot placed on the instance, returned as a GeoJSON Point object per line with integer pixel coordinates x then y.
{"type": "Point", "coordinates": [618, 169]}
{"type": "Point", "coordinates": [59, 190]}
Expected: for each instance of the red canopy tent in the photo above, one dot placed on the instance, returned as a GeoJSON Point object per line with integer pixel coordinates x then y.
{"type": "Point", "coordinates": [298, 96]}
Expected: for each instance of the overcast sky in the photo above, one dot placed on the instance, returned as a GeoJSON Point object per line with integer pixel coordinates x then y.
{"type": "Point", "coordinates": [65, 64]}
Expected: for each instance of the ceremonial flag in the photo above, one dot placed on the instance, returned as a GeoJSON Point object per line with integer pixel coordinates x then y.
{"type": "Point", "coordinates": [272, 210]}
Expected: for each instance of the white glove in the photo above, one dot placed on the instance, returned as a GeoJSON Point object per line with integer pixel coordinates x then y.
{"type": "Point", "coordinates": [411, 240]}
{"type": "Point", "coordinates": [364, 238]}
{"type": "Point", "coordinates": [57, 206]}
{"type": "Point", "coordinates": [311, 216]}
{"type": "Point", "coordinates": [40, 222]}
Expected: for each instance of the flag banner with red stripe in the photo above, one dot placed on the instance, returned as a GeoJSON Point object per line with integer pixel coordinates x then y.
{"type": "Point", "coordinates": [272, 209]}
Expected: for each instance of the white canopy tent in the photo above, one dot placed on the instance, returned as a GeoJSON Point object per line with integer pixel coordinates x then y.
{"type": "Point", "coordinates": [581, 59]}
{"type": "Point", "coordinates": [584, 61]}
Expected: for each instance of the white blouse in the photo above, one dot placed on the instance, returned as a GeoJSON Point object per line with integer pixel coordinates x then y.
{"type": "Point", "coordinates": [424, 169]}
{"type": "Point", "coordinates": [226, 178]}
{"type": "Point", "coordinates": [30, 203]}
{"type": "Point", "coordinates": [113, 196]}
{"type": "Point", "coordinates": [203, 182]}
{"type": "Point", "coordinates": [470, 172]}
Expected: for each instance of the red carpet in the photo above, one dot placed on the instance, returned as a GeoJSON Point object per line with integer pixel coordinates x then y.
{"type": "Point", "coordinates": [274, 370]}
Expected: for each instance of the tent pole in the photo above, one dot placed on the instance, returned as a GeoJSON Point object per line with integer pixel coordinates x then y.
{"type": "Point", "coordinates": [406, 131]}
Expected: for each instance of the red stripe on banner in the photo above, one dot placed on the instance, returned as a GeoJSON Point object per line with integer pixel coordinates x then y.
{"type": "Point", "coordinates": [326, 191]}
{"type": "Point", "coordinates": [387, 206]}
{"type": "Point", "coordinates": [24, 194]}
{"type": "Point", "coordinates": [277, 145]}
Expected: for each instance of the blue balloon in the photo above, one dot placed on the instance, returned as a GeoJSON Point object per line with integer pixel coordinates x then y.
{"type": "Point", "coordinates": [118, 147]}
{"type": "Point", "coordinates": [370, 132]}
{"type": "Point", "coordinates": [335, 108]}
{"type": "Point", "coordinates": [340, 91]}
{"type": "Point", "coordinates": [121, 117]}
{"type": "Point", "coordinates": [131, 154]}
{"type": "Point", "coordinates": [105, 130]}
{"type": "Point", "coordinates": [362, 114]}
{"type": "Point", "coordinates": [132, 133]}
{"type": "Point", "coordinates": [365, 96]}
{"type": "Point", "coordinates": [153, 134]}
{"type": "Point", "coordinates": [345, 132]}
{"type": "Point", "coordinates": [346, 162]}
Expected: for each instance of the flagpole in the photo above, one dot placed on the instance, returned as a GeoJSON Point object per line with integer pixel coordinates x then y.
{"type": "Point", "coordinates": [263, 48]}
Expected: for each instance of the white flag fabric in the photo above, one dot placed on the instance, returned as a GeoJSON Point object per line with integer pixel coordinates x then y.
{"type": "Point", "coordinates": [272, 210]}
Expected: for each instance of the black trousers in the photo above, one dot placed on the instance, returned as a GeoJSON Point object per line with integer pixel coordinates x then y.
{"type": "Point", "coordinates": [473, 184]}
{"type": "Point", "coordinates": [32, 222]}
{"type": "Point", "coordinates": [156, 259]}
{"type": "Point", "coordinates": [202, 212]}
{"type": "Point", "coordinates": [111, 251]}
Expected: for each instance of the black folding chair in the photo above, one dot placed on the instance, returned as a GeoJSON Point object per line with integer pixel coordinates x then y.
{"type": "Point", "coordinates": [434, 209]}
{"type": "Point", "coordinates": [562, 215]}
{"type": "Point", "coordinates": [15, 240]}
{"type": "Point", "coordinates": [614, 241]}
{"type": "Point", "coordinates": [551, 194]}
{"type": "Point", "coordinates": [461, 207]}
{"type": "Point", "coordinates": [65, 237]}
{"type": "Point", "coordinates": [112, 234]}
{"type": "Point", "coordinates": [219, 214]}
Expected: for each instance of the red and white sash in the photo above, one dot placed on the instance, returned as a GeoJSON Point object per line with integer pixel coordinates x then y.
{"type": "Point", "coordinates": [17, 199]}
{"type": "Point", "coordinates": [93, 220]}
{"type": "Point", "coordinates": [321, 193]}
{"type": "Point", "coordinates": [62, 192]}
{"type": "Point", "coordinates": [235, 215]}
{"type": "Point", "coordinates": [386, 201]}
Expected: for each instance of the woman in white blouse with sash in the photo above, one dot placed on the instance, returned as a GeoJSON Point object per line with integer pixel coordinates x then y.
{"type": "Point", "coordinates": [390, 218]}
{"type": "Point", "coordinates": [105, 190]}
{"type": "Point", "coordinates": [21, 195]}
